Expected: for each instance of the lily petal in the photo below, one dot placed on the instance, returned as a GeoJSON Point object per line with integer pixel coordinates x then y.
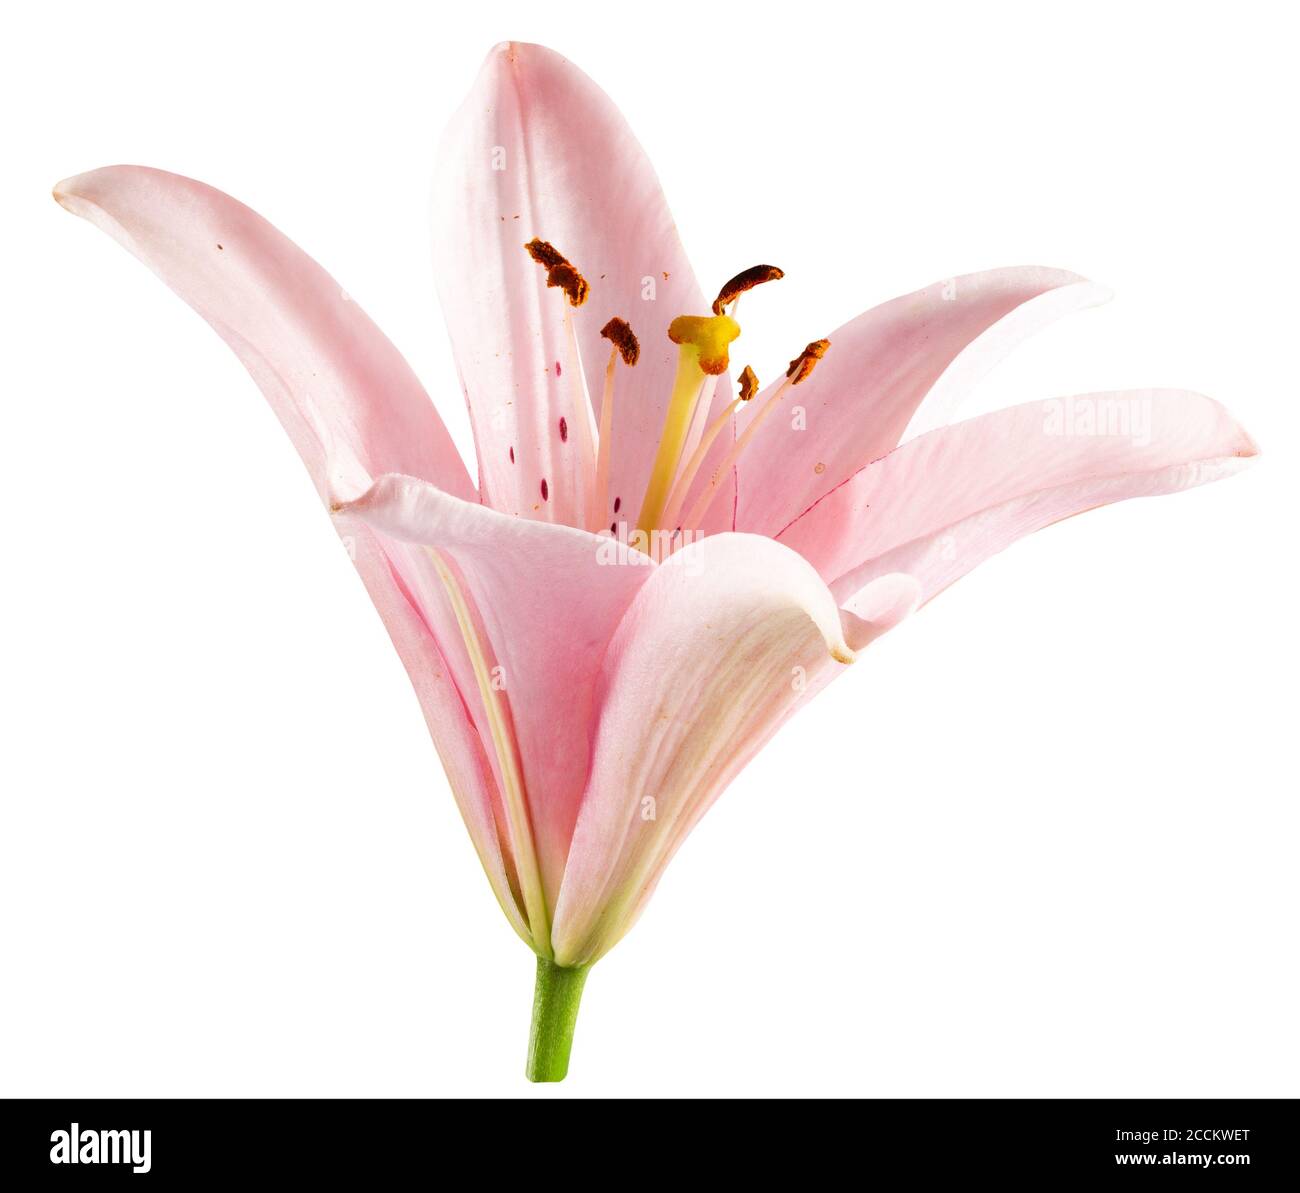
{"type": "Point", "coordinates": [538, 150]}
{"type": "Point", "coordinates": [877, 607]}
{"type": "Point", "coordinates": [716, 649]}
{"type": "Point", "coordinates": [545, 601]}
{"type": "Point", "coordinates": [347, 399]}
{"type": "Point", "coordinates": [928, 347]}
{"type": "Point", "coordinates": [349, 402]}
{"type": "Point", "coordinates": [455, 736]}
{"type": "Point", "coordinates": [939, 505]}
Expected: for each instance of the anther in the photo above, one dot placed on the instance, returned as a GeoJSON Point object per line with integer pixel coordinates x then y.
{"type": "Point", "coordinates": [570, 281]}
{"type": "Point", "coordinates": [559, 271]}
{"type": "Point", "coordinates": [746, 279]}
{"type": "Point", "coordinates": [618, 332]}
{"type": "Point", "coordinates": [748, 384]}
{"type": "Point", "coordinates": [545, 253]}
{"type": "Point", "coordinates": [802, 366]}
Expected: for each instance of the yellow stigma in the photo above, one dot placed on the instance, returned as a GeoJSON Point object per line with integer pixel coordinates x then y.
{"type": "Point", "coordinates": [709, 335]}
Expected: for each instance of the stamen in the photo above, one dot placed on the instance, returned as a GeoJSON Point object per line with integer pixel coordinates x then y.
{"type": "Point", "coordinates": [748, 388]}
{"type": "Point", "coordinates": [575, 479]}
{"type": "Point", "coordinates": [802, 366]}
{"type": "Point", "coordinates": [584, 427]}
{"type": "Point", "coordinates": [618, 332]}
{"type": "Point", "coordinates": [746, 279]}
{"type": "Point", "coordinates": [545, 253]}
{"type": "Point", "coordinates": [800, 369]}
{"type": "Point", "coordinates": [559, 271]}
{"type": "Point", "coordinates": [571, 282]}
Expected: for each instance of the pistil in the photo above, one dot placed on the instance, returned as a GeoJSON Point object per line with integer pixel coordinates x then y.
{"type": "Point", "coordinates": [704, 342]}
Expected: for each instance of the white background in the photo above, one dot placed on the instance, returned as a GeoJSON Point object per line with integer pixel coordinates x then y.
{"type": "Point", "coordinates": [1041, 841]}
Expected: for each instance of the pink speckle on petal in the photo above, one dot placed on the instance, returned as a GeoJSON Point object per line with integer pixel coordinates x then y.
{"type": "Point", "coordinates": [545, 491]}
{"type": "Point", "coordinates": [564, 431]}
{"type": "Point", "coordinates": [558, 370]}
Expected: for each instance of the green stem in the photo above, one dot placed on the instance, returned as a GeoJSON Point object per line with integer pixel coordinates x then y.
{"type": "Point", "coordinates": [555, 1011]}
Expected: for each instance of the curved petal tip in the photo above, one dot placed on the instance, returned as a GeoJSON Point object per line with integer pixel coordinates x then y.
{"type": "Point", "coordinates": [878, 608]}
{"type": "Point", "coordinates": [512, 51]}
{"type": "Point", "coordinates": [66, 193]}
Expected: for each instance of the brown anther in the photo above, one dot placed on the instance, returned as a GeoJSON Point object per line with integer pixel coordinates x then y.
{"type": "Point", "coordinates": [545, 253]}
{"type": "Point", "coordinates": [748, 384]}
{"type": "Point", "coordinates": [619, 333]}
{"type": "Point", "coordinates": [746, 279]}
{"type": "Point", "coordinates": [570, 281]}
{"type": "Point", "coordinates": [803, 364]}
{"type": "Point", "coordinates": [559, 271]}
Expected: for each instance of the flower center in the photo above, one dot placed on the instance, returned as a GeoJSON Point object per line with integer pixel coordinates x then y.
{"type": "Point", "coordinates": [687, 435]}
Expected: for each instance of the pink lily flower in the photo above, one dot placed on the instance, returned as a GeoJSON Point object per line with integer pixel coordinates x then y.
{"type": "Point", "coordinates": [652, 572]}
